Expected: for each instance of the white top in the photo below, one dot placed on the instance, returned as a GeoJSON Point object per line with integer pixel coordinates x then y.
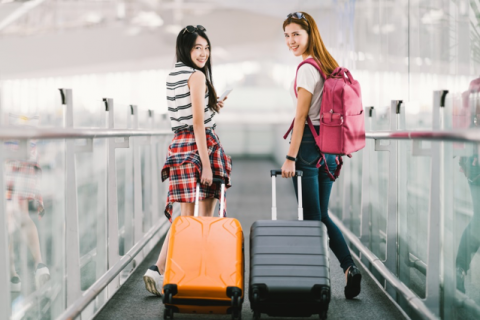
{"type": "Point", "coordinates": [310, 79]}
{"type": "Point", "coordinates": [179, 102]}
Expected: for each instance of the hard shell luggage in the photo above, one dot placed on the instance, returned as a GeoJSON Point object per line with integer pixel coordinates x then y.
{"type": "Point", "coordinates": [204, 272]}
{"type": "Point", "coordinates": [289, 264]}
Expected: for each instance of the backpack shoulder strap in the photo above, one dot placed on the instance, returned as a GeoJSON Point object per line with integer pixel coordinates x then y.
{"type": "Point", "coordinates": [313, 63]}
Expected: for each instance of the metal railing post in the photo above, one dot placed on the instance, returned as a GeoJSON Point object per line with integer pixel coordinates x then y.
{"type": "Point", "coordinates": [72, 246]}
{"type": "Point", "coordinates": [147, 178]}
{"type": "Point", "coordinates": [5, 299]}
{"type": "Point", "coordinates": [129, 221]}
{"type": "Point", "coordinates": [403, 250]}
{"type": "Point", "coordinates": [101, 263]}
{"type": "Point", "coordinates": [432, 294]}
{"type": "Point", "coordinates": [112, 199]}
{"type": "Point", "coordinates": [366, 205]}
{"type": "Point", "coordinates": [154, 175]}
{"type": "Point", "coordinates": [448, 236]}
{"type": "Point", "coordinates": [391, 261]}
{"type": "Point", "coordinates": [137, 183]}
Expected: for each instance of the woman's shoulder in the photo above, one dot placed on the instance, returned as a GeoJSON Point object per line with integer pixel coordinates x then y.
{"type": "Point", "coordinates": [181, 69]}
{"type": "Point", "coordinates": [197, 78]}
{"type": "Point", "coordinates": [308, 69]}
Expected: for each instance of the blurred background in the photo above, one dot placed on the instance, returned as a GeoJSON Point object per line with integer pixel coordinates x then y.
{"type": "Point", "coordinates": [124, 49]}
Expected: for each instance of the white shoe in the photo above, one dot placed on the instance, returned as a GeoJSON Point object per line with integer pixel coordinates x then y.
{"type": "Point", "coordinates": [42, 275]}
{"type": "Point", "coordinates": [15, 284]}
{"type": "Point", "coordinates": [153, 281]}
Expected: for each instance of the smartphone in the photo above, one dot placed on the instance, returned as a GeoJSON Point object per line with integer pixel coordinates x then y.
{"type": "Point", "coordinates": [225, 94]}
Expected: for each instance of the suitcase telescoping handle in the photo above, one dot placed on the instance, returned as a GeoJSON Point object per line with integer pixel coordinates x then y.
{"type": "Point", "coordinates": [222, 194]}
{"type": "Point", "coordinates": [298, 174]}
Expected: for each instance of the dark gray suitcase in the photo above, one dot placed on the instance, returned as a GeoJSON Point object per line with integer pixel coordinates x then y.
{"type": "Point", "coordinates": [289, 265]}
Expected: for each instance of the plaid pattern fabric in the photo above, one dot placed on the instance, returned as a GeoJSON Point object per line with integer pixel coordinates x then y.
{"type": "Point", "coordinates": [183, 167]}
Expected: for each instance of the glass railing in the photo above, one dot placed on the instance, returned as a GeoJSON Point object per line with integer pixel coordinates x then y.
{"type": "Point", "coordinates": [409, 204]}
{"type": "Point", "coordinates": [82, 207]}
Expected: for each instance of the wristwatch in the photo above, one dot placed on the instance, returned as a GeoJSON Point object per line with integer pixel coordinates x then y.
{"type": "Point", "coordinates": [291, 158]}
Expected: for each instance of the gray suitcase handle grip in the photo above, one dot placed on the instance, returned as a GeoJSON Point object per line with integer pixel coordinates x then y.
{"type": "Point", "coordinates": [298, 174]}
{"type": "Point", "coordinates": [222, 193]}
{"type": "Point", "coordinates": [279, 172]}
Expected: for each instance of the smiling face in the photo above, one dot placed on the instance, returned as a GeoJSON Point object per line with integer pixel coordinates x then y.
{"type": "Point", "coordinates": [200, 52]}
{"type": "Point", "coordinates": [296, 39]}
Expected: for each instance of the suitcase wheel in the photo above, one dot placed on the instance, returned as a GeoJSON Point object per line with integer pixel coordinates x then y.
{"type": "Point", "coordinates": [237, 315]}
{"type": "Point", "coordinates": [236, 300]}
{"type": "Point", "coordinates": [167, 297]}
{"type": "Point", "coordinates": [168, 313]}
{"type": "Point", "coordinates": [323, 315]}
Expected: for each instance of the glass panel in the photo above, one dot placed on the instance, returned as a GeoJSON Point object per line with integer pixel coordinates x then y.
{"type": "Point", "coordinates": [92, 208]}
{"type": "Point", "coordinates": [146, 186]}
{"type": "Point", "coordinates": [35, 220]}
{"type": "Point", "coordinates": [464, 265]}
{"type": "Point", "coordinates": [355, 173]}
{"type": "Point", "coordinates": [414, 184]}
{"type": "Point", "coordinates": [125, 198]}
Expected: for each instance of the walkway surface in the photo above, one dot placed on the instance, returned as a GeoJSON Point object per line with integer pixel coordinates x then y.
{"type": "Point", "coordinates": [248, 200]}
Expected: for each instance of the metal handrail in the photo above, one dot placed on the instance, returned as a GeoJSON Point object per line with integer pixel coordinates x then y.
{"type": "Point", "coordinates": [76, 300]}
{"type": "Point", "coordinates": [471, 135]}
{"type": "Point", "coordinates": [16, 132]}
{"type": "Point", "coordinates": [441, 296]}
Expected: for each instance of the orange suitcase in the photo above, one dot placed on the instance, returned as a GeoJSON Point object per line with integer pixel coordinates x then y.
{"type": "Point", "coordinates": [204, 272]}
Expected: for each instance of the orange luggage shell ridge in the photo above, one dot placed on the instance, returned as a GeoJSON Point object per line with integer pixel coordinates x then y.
{"type": "Point", "coordinates": [205, 257]}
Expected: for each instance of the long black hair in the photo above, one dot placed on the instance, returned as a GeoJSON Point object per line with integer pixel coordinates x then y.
{"type": "Point", "coordinates": [185, 43]}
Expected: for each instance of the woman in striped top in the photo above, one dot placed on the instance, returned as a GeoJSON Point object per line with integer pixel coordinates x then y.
{"type": "Point", "coordinates": [195, 151]}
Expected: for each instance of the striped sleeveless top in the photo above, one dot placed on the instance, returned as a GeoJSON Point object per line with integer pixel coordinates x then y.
{"type": "Point", "coordinates": [179, 102]}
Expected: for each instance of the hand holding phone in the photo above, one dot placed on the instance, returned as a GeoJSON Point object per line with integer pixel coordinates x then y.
{"type": "Point", "coordinates": [225, 94]}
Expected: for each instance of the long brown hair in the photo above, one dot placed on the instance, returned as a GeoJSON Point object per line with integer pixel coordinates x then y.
{"type": "Point", "coordinates": [315, 47]}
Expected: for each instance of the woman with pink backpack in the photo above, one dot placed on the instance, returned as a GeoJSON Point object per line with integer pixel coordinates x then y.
{"type": "Point", "coordinates": [303, 39]}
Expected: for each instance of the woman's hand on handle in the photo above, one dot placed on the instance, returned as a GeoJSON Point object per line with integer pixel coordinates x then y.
{"type": "Point", "coordinates": [288, 169]}
{"type": "Point", "coordinates": [207, 176]}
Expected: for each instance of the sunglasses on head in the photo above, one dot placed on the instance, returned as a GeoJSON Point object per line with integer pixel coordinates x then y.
{"type": "Point", "coordinates": [297, 15]}
{"type": "Point", "coordinates": [192, 29]}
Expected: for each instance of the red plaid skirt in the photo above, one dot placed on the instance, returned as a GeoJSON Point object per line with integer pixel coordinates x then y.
{"type": "Point", "coordinates": [183, 167]}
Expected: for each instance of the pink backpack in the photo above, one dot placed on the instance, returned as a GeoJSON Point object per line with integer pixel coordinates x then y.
{"type": "Point", "coordinates": [462, 115]}
{"type": "Point", "coordinates": [342, 123]}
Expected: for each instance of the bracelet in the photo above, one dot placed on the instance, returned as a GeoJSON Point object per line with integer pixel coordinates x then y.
{"type": "Point", "coordinates": [291, 158]}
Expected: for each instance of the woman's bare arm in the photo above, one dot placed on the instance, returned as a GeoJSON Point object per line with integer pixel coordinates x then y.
{"type": "Point", "coordinates": [303, 106]}
{"type": "Point", "coordinates": [197, 87]}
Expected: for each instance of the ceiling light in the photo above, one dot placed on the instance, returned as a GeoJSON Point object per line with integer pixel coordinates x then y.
{"type": "Point", "coordinates": [148, 20]}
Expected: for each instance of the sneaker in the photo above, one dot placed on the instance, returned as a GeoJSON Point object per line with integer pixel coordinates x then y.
{"type": "Point", "coordinates": [42, 275]}
{"type": "Point", "coordinates": [354, 277]}
{"type": "Point", "coordinates": [460, 279]}
{"type": "Point", "coordinates": [153, 281]}
{"type": "Point", "coordinates": [15, 284]}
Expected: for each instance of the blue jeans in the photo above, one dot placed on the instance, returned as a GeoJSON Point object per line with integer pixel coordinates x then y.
{"type": "Point", "coordinates": [316, 188]}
